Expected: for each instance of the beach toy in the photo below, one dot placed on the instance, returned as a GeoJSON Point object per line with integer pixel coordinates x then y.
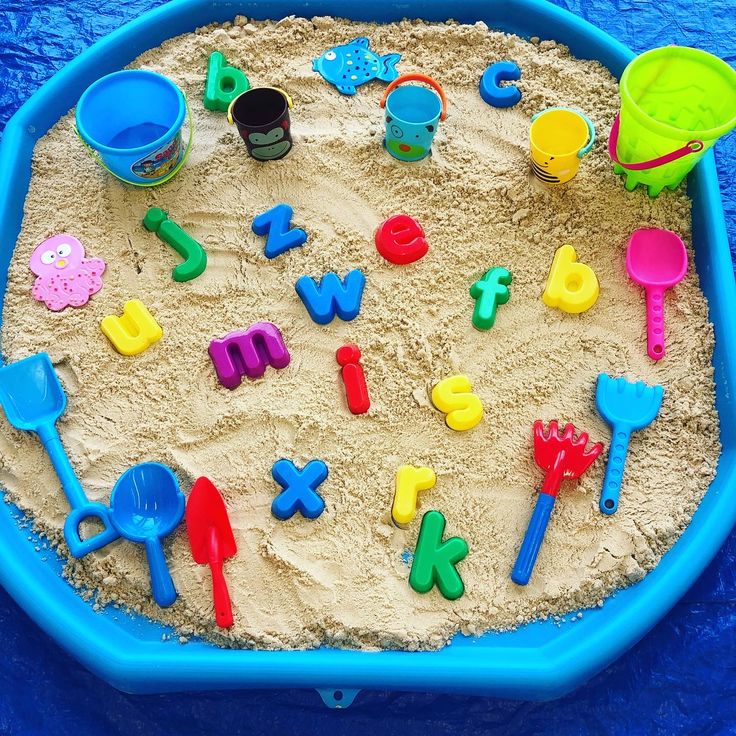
{"type": "Point", "coordinates": [33, 399]}
{"type": "Point", "coordinates": [145, 506]}
{"type": "Point", "coordinates": [454, 396]}
{"type": "Point", "coordinates": [410, 480]}
{"type": "Point", "coordinates": [657, 260]}
{"type": "Point", "coordinates": [224, 83]}
{"type": "Point", "coordinates": [195, 258]}
{"type": "Point", "coordinates": [412, 116]}
{"type": "Point", "coordinates": [248, 353]}
{"type": "Point", "coordinates": [65, 276]}
{"type": "Point", "coordinates": [490, 84]}
{"type": "Point", "coordinates": [489, 292]}
{"type": "Point", "coordinates": [131, 122]}
{"type": "Point", "coordinates": [626, 407]}
{"type": "Point", "coordinates": [353, 64]}
{"type": "Point", "coordinates": [571, 286]}
{"type": "Point", "coordinates": [211, 541]}
{"type": "Point", "coordinates": [434, 560]}
{"type": "Point", "coordinates": [400, 240]}
{"type": "Point", "coordinates": [276, 225]}
{"type": "Point", "coordinates": [261, 116]}
{"type": "Point", "coordinates": [134, 332]}
{"type": "Point", "coordinates": [332, 296]}
{"type": "Point", "coordinates": [299, 489]}
{"type": "Point", "coordinates": [356, 390]}
{"type": "Point", "coordinates": [559, 138]}
{"type": "Point", "coordinates": [562, 457]}
{"type": "Point", "coordinates": [676, 102]}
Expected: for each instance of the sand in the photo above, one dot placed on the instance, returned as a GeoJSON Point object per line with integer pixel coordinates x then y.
{"type": "Point", "coordinates": [343, 578]}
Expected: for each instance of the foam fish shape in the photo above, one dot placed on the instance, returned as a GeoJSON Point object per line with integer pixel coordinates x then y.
{"type": "Point", "coordinates": [353, 64]}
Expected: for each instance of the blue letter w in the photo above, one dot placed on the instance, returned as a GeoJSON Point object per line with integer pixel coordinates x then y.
{"type": "Point", "coordinates": [332, 296]}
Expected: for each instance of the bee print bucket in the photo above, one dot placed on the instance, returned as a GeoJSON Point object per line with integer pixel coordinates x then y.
{"type": "Point", "coordinates": [559, 138]}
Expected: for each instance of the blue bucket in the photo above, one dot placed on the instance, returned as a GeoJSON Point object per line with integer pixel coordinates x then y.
{"type": "Point", "coordinates": [412, 116]}
{"type": "Point", "coordinates": [131, 120]}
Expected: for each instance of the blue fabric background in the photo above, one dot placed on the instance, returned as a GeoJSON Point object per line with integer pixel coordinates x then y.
{"type": "Point", "coordinates": [679, 679]}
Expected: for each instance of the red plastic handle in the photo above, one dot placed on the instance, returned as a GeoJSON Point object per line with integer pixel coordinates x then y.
{"type": "Point", "coordinates": [417, 78]}
{"type": "Point", "coordinates": [221, 596]}
{"type": "Point", "coordinates": [693, 146]}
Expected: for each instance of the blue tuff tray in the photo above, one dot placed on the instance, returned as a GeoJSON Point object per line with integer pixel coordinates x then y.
{"type": "Point", "coordinates": [536, 662]}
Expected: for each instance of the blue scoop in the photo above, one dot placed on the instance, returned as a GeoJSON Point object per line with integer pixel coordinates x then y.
{"type": "Point", "coordinates": [626, 407]}
{"type": "Point", "coordinates": [146, 505]}
{"type": "Point", "coordinates": [33, 399]}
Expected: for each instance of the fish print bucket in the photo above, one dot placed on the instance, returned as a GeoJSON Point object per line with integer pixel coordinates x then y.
{"type": "Point", "coordinates": [131, 122]}
{"type": "Point", "coordinates": [675, 104]}
{"type": "Point", "coordinates": [412, 116]}
{"type": "Point", "coordinates": [559, 138]}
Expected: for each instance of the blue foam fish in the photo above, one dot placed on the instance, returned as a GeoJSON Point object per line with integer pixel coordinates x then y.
{"type": "Point", "coordinates": [354, 64]}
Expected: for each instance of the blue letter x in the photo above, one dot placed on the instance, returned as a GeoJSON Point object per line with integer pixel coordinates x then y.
{"type": "Point", "coordinates": [300, 489]}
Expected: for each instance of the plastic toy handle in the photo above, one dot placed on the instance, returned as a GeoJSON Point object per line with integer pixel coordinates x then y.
{"type": "Point", "coordinates": [230, 118]}
{"type": "Point", "coordinates": [614, 470]}
{"type": "Point", "coordinates": [164, 592]}
{"type": "Point", "coordinates": [693, 146]}
{"type": "Point", "coordinates": [60, 460]}
{"type": "Point", "coordinates": [91, 510]}
{"type": "Point", "coordinates": [655, 322]}
{"type": "Point", "coordinates": [96, 156]}
{"type": "Point", "coordinates": [221, 596]}
{"type": "Point", "coordinates": [527, 556]}
{"type": "Point", "coordinates": [417, 78]}
{"type": "Point", "coordinates": [591, 135]}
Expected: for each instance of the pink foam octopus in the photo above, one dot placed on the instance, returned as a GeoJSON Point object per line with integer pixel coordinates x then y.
{"type": "Point", "coordinates": [65, 276]}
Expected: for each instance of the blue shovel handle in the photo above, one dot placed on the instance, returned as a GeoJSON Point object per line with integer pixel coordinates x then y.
{"type": "Point", "coordinates": [82, 507]}
{"type": "Point", "coordinates": [164, 592]}
{"type": "Point", "coordinates": [532, 539]}
{"type": "Point", "coordinates": [614, 470]}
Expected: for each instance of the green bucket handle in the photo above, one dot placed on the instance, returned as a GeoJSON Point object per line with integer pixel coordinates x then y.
{"type": "Point", "coordinates": [591, 128]}
{"type": "Point", "coordinates": [96, 156]}
{"type": "Point", "coordinates": [693, 146]}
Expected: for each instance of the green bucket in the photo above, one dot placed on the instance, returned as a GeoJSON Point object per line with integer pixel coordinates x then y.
{"type": "Point", "coordinates": [676, 102]}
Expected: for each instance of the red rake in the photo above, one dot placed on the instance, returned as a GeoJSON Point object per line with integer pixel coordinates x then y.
{"type": "Point", "coordinates": [561, 456]}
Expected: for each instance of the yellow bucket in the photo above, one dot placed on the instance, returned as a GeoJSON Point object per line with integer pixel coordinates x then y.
{"type": "Point", "coordinates": [559, 138]}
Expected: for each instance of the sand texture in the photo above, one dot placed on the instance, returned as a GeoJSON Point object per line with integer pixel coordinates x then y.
{"type": "Point", "coordinates": [343, 578]}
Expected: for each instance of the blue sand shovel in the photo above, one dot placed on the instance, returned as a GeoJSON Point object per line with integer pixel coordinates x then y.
{"type": "Point", "coordinates": [33, 399]}
{"type": "Point", "coordinates": [146, 505]}
{"type": "Point", "coordinates": [626, 407]}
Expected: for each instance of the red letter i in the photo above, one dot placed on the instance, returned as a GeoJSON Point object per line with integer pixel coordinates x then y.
{"type": "Point", "coordinates": [353, 377]}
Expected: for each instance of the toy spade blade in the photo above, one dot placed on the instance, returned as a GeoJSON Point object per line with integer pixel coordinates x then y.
{"type": "Point", "coordinates": [211, 540]}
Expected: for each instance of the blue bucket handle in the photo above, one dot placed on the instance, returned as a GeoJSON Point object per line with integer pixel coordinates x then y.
{"type": "Point", "coordinates": [591, 128]}
{"type": "Point", "coordinates": [96, 156]}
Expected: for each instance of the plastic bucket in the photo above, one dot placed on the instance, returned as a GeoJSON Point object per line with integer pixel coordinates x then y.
{"type": "Point", "coordinates": [675, 104]}
{"type": "Point", "coordinates": [412, 116]}
{"type": "Point", "coordinates": [132, 121]}
{"type": "Point", "coordinates": [559, 138]}
{"type": "Point", "coordinates": [261, 116]}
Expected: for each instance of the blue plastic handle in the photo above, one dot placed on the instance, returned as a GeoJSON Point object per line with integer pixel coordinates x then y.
{"type": "Point", "coordinates": [615, 469]}
{"type": "Point", "coordinates": [82, 507]}
{"type": "Point", "coordinates": [164, 592]}
{"type": "Point", "coordinates": [532, 539]}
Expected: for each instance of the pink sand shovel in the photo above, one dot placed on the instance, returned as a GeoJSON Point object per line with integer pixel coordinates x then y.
{"type": "Point", "coordinates": [657, 260]}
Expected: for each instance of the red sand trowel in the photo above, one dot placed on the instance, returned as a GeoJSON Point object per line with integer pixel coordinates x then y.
{"type": "Point", "coordinates": [212, 541]}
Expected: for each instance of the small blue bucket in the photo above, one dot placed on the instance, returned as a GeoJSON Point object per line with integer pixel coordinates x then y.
{"type": "Point", "coordinates": [132, 120]}
{"type": "Point", "coordinates": [412, 116]}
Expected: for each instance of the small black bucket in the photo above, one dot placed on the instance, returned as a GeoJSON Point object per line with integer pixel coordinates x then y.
{"type": "Point", "coordinates": [261, 115]}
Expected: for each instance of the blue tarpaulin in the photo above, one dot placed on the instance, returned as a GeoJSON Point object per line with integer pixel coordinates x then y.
{"type": "Point", "coordinates": [679, 679]}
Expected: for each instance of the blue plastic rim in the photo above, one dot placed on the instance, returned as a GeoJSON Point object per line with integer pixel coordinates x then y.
{"type": "Point", "coordinates": [133, 119]}
{"type": "Point", "coordinates": [412, 117]}
{"type": "Point", "coordinates": [539, 661]}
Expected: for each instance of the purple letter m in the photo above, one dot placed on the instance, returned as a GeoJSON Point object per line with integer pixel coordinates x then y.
{"type": "Point", "coordinates": [247, 353]}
